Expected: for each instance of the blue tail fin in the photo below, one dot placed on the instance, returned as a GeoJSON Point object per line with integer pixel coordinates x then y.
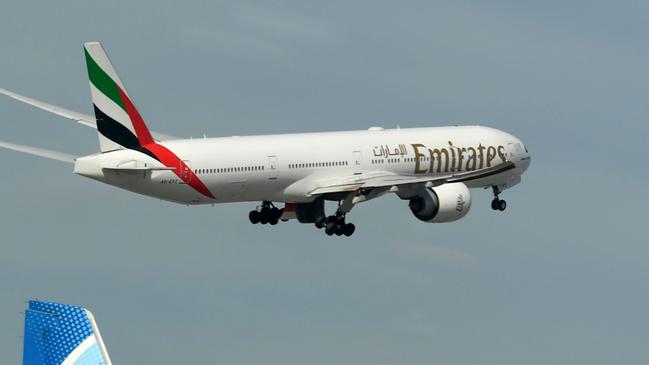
{"type": "Point", "coordinates": [59, 334]}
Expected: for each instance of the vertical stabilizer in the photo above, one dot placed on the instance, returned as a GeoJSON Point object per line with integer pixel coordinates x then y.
{"type": "Point", "coordinates": [60, 334]}
{"type": "Point", "coordinates": [118, 122]}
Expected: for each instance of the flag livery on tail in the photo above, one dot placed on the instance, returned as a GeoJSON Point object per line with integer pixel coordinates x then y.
{"type": "Point", "coordinates": [118, 121]}
{"type": "Point", "coordinates": [60, 334]}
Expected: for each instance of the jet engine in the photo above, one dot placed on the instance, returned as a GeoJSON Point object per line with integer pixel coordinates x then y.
{"type": "Point", "coordinates": [441, 204]}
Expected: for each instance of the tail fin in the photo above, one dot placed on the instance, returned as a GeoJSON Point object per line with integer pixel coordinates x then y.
{"type": "Point", "coordinates": [118, 121]}
{"type": "Point", "coordinates": [59, 334]}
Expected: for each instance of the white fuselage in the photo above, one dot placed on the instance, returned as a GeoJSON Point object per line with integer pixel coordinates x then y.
{"type": "Point", "coordinates": [285, 168]}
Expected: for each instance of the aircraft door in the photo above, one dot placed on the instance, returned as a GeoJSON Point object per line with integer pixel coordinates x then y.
{"type": "Point", "coordinates": [185, 171]}
{"type": "Point", "coordinates": [273, 168]}
{"type": "Point", "coordinates": [358, 163]}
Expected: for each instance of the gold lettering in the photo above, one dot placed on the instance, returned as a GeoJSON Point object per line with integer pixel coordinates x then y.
{"type": "Point", "coordinates": [471, 161]}
{"type": "Point", "coordinates": [453, 156]}
{"type": "Point", "coordinates": [481, 149]}
{"type": "Point", "coordinates": [491, 154]}
{"type": "Point", "coordinates": [438, 153]}
{"type": "Point", "coordinates": [460, 157]}
{"type": "Point", "coordinates": [418, 155]}
{"type": "Point", "coordinates": [464, 159]}
{"type": "Point", "coordinates": [501, 153]}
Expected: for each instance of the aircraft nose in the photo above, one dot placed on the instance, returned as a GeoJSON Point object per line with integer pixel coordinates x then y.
{"type": "Point", "coordinates": [524, 162]}
{"type": "Point", "coordinates": [525, 159]}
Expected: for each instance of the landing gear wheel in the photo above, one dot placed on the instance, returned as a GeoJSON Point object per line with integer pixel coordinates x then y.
{"type": "Point", "coordinates": [349, 229]}
{"type": "Point", "coordinates": [266, 213]}
{"type": "Point", "coordinates": [320, 222]}
{"type": "Point", "coordinates": [330, 229]}
{"type": "Point", "coordinates": [254, 217]}
{"type": "Point", "coordinates": [497, 203]}
{"type": "Point", "coordinates": [273, 215]}
{"type": "Point", "coordinates": [340, 229]}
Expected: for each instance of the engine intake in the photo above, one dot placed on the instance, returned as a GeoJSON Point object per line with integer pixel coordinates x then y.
{"type": "Point", "coordinates": [441, 204]}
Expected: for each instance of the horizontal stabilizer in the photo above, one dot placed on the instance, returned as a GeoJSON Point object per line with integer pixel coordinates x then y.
{"type": "Point", "coordinates": [150, 168]}
{"type": "Point", "coordinates": [137, 166]}
{"type": "Point", "coordinates": [83, 119]}
{"type": "Point", "coordinates": [52, 155]}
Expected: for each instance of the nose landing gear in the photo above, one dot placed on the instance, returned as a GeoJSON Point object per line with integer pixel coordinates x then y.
{"type": "Point", "coordinates": [497, 203]}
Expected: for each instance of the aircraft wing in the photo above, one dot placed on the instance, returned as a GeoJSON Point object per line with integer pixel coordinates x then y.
{"type": "Point", "coordinates": [383, 179]}
{"type": "Point", "coordinates": [83, 119]}
{"type": "Point", "coordinates": [52, 155]}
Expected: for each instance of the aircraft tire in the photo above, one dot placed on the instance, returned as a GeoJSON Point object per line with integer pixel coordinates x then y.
{"type": "Point", "coordinates": [320, 222]}
{"type": "Point", "coordinates": [254, 216]}
{"type": "Point", "coordinates": [330, 229]}
{"type": "Point", "coordinates": [349, 229]}
{"type": "Point", "coordinates": [263, 219]}
{"type": "Point", "coordinates": [340, 229]}
{"type": "Point", "coordinates": [266, 211]}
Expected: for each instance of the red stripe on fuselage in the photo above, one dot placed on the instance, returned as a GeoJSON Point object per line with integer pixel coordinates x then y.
{"type": "Point", "coordinates": [183, 171]}
{"type": "Point", "coordinates": [168, 158]}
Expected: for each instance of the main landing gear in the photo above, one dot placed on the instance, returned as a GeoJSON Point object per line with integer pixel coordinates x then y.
{"type": "Point", "coordinates": [313, 213]}
{"type": "Point", "coordinates": [335, 224]}
{"type": "Point", "coordinates": [497, 203]}
{"type": "Point", "coordinates": [266, 214]}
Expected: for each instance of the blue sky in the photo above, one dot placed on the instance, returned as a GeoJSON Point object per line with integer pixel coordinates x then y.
{"type": "Point", "coordinates": [560, 277]}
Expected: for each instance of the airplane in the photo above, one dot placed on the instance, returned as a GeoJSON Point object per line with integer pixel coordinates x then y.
{"type": "Point", "coordinates": [430, 168]}
{"type": "Point", "coordinates": [61, 334]}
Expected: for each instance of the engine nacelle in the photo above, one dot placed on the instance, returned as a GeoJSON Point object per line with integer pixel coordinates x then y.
{"type": "Point", "coordinates": [441, 204]}
{"type": "Point", "coordinates": [309, 212]}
